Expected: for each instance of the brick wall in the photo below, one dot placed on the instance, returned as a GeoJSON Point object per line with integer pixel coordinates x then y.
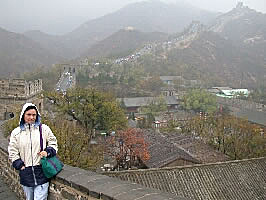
{"type": "Point", "coordinates": [15, 92]}
{"type": "Point", "coordinates": [73, 183]}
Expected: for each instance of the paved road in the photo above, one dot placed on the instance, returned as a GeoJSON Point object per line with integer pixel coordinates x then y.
{"type": "Point", "coordinates": [66, 81]}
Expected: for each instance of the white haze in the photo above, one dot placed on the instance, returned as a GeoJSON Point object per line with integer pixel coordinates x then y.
{"type": "Point", "coordinates": [62, 16]}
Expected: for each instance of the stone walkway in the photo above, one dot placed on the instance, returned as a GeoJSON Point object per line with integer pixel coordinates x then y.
{"type": "Point", "coordinates": [5, 192]}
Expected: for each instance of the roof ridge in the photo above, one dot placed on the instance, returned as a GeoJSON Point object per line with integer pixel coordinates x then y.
{"type": "Point", "coordinates": [187, 166]}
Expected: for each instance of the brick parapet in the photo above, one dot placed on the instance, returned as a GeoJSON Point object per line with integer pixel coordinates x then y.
{"type": "Point", "coordinates": [73, 183]}
{"type": "Point", "coordinates": [15, 92]}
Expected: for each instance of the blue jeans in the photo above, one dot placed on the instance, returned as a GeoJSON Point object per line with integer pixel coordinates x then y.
{"type": "Point", "coordinates": [39, 192]}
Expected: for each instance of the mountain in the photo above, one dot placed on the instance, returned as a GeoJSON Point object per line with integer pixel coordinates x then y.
{"type": "Point", "coordinates": [246, 28]}
{"type": "Point", "coordinates": [149, 16]}
{"type": "Point", "coordinates": [19, 54]}
{"type": "Point", "coordinates": [55, 44]}
{"type": "Point", "coordinates": [229, 49]}
{"type": "Point", "coordinates": [220, 59]}
{"type": "Point", "coordinates": [219, 52]}
{"type": "Point", "coordinates": [22, 52]}
{"type": "Point", "coordinates": [123, 43]}
{"type": "Point", "coordinates": [241, 24]}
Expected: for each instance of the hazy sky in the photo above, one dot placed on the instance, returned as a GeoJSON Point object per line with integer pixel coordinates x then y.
{"type": "Point", "coordinates": [61, 16]}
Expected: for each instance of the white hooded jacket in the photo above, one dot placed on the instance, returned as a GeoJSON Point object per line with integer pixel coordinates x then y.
{"type": "Point", "coordinates": [25, 140]}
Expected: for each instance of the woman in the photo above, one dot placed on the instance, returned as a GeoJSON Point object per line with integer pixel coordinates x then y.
{"type": "Point", "coordinates": [24, 152]}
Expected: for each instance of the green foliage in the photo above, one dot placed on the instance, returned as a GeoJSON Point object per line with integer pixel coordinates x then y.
{"type": "Point", "coordinates": [73, 146]}
{"type": "Point", "coordinates": [172, 127]}
{"type": "Point", "coordinates": [152, 85]}
{"type": "Point", "coordinates": [123, 105]}
{"type": "Point", "coordinates": [235, 137]}
{"type": "Point", "coordinates": [49, 76]}
{"type": "Point", "coordinates": [90, 108]}
{"type": "Point", "coordinates": [155, 106]}
{"type": "Point", "coordinates": [200, 100]}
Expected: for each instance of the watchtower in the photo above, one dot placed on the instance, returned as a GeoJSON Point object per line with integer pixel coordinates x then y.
{"type": "Point", "coordinates": [17, 92]}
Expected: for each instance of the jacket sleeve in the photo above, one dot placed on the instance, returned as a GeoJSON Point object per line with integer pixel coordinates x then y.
{"type": "Point", "coordinates": [13, 151]}
{"type": "Point", "coordinates": [17, 164]}
{"type": "Point", "coordinates": [52, 147]}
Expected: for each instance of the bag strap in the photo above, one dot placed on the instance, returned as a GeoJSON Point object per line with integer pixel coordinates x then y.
{"type": "Point", "coordinates": [41, 140]}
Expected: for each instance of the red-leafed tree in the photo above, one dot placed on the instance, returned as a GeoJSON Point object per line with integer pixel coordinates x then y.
{"type": "Point", "coordinates": [129, 148]}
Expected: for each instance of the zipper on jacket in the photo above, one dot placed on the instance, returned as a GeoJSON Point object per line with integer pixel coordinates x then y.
{"type": "Point", "coordinates": [35, 181]}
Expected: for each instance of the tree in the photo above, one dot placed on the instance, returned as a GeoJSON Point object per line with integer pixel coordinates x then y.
{"type": "Point", "coordinates": [49, 77]}
{"type": "Point", "coordinates": [233, 136]}
{"type": "Point", "coordinates": [72, 142]}
{"type": "Point", "coordinates": [155, 106]}
{"type": "Point", "coordinates": [90, 108]}
{"type": "Point", "coordinates": [73, 145]}
{"type": "Point", "coordinates": [129, 148]}
{"type": "Point", "coordinates": [152, 84]}
{"type": "Point", "coordinates": [200, 100]}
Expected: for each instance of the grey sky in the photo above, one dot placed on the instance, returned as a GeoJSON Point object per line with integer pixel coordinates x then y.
{"type": "Point", "coordinates": [60, 16]}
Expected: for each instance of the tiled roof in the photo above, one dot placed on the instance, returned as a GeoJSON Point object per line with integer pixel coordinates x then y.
{"type": "Point", "coordinates": [143, 101]}
{"type": "Point", "coordinates": [235, 91]}
{"type": "Point", "coordinates": [222, 88]}
{"type": "Point", "coordinates": [237, 180]}
{"type": "Point", "coordinates": [163, 152]}
{"type": "Point", "coordinates": [254, 116]}
{"type": "Point", "coordinates": [204, 153]}
{"type": "Point", "coordinates": [171, 100]}
{"type": "Point", "coordinates": [170, 78]}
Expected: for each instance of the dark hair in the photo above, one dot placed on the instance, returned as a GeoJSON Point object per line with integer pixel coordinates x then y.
{"type": "Point", "coordinates": [29, 108]}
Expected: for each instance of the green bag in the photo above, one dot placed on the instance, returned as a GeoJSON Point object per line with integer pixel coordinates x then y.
{"type": "Point", "coordinates": [51, 166]}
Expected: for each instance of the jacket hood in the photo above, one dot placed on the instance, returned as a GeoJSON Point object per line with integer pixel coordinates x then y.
{"type": "Point", "coordinates": [21, 119]}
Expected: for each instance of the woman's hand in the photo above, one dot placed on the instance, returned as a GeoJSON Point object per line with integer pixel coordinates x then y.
{"type": "Point", "coordinates": [43, 154]}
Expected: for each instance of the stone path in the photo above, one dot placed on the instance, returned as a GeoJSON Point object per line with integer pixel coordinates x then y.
{"type": "Point", "coordinates": [5, 192]}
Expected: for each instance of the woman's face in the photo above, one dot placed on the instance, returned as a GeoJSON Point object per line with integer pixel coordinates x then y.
{"type": "Point", "coordinates": [30, 116]}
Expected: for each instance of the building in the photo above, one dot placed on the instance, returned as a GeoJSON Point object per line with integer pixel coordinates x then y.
{"type": "Point", "coordinates": [163, 153]}
{"type": "Point", "coordinates": [238, 180]}
{"type": "Point", "coordinates": [199, 150]}
{"type": "Point", "coordinates": [169, 80]}
{"type": "Point", "coordinates": [169, 91]}
{"type": "Point", "coordinates": [227, 92]}
{"type": "Point", "coordinates": [134, 104]}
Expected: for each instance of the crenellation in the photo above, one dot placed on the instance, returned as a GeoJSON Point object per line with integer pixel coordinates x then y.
{"type": "Point", "coordinates": [17, 92]}
{"type": "Point", "coordinates": [63, 188]}
{"type": "Point", "coordinates": [19, 87]}
{"type": "Point", "coordinates": [79, 184]}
